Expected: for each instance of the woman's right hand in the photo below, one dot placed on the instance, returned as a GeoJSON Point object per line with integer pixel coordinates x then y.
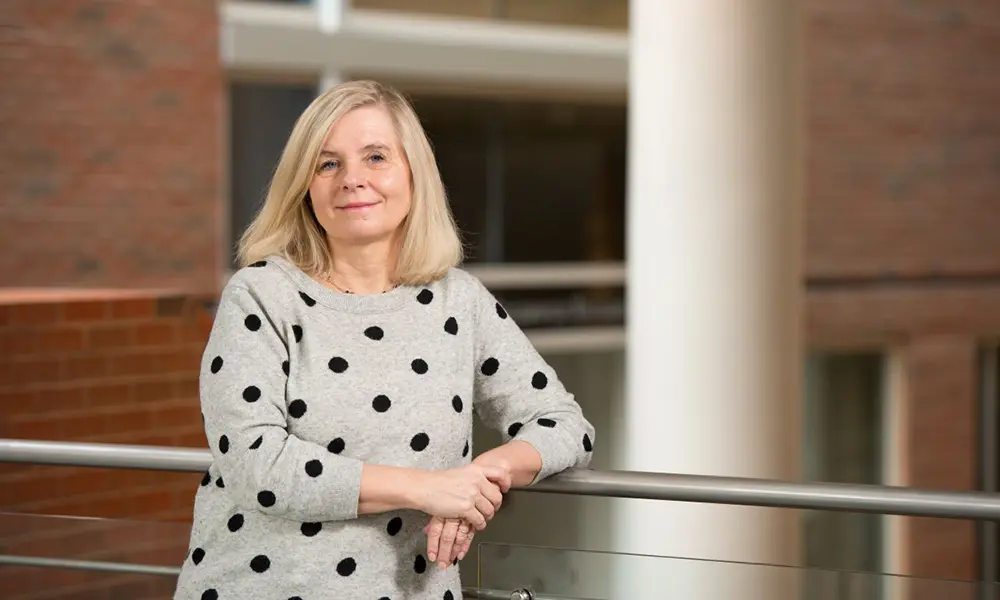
{"type": "Point", "coordinates": [471, 492]}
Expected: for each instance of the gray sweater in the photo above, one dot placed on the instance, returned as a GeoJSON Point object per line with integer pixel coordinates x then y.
{"type": "Point", "coordinates": [301, 385]}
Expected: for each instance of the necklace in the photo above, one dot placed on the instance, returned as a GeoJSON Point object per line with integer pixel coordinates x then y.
{"type": "Point", "coordinates": [330, 280]}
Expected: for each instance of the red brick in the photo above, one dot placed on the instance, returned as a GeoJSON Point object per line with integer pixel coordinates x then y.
{"type": "Point", "coordinates": [112, 335]}
{"type": "Point", "coordinates": [137, 308]}
{"type": "Point", "coordinates": [155, 334]}
{"type": "Point", "coordinates": [35, 314]}
{"type": "Point", "coordinates": [86, 311]}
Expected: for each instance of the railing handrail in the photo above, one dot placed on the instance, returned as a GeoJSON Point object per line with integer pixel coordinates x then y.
{"type": "Point", "coordinates": [615, 484]}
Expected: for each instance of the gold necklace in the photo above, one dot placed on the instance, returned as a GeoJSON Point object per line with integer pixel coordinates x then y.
{"type": "Point", "coordinates": [330, 280]}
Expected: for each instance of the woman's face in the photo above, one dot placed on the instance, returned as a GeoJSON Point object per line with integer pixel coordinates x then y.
{"type": "Point", "coordinates": [361, 184]}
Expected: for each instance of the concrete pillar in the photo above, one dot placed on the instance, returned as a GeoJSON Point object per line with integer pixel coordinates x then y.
{"type": "Point", "coordinates": [714, 349]}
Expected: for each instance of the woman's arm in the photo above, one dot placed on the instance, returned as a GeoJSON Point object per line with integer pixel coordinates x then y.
{"type": "Point", "coordinates": [518, 394]}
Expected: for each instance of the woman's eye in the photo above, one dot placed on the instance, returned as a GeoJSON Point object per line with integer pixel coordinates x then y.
{"type": "Point", "coordinates": [377, 158]}
{"type": "Point", "coordinates": [327, 165]}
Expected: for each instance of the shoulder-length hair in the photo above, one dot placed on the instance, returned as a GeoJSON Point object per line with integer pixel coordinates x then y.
{"type": "Point", "coordinates": [287, 226]}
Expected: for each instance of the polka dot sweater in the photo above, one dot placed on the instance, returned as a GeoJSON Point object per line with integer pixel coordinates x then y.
{"type": "Point", "coordinates": [301, 385]}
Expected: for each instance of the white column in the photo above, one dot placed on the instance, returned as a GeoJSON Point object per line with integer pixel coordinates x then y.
{"type": "Point", "coordinates": [331, 15]}
{"type": "Point", "coordinates": [714, 347]}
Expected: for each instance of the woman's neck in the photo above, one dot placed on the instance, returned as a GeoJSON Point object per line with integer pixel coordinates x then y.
{"type": "Point", "coordinates": [363, 269]}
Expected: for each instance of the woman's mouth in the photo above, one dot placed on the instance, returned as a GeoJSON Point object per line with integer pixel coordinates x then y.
{"type": "Point", "coordinates": [357, 206]}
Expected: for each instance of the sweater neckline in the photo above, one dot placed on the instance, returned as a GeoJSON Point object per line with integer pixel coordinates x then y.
{"type": "Point", "coordinates": [391, 300]}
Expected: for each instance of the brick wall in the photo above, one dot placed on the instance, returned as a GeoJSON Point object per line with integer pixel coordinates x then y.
{"type": "Point", "coordinates": [111, 159]}
{"type": "Point", "coordinates": [98, 366]}
{"type": "Point", "coordinates": [902, 214]}
{"type": "Point", "coordinates": [101, 367]}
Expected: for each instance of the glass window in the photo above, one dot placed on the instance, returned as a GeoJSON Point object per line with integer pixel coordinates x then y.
{"type": "Point", "coordinates": [261, 119]}
{"type": "Point", "coordinates": [608, 14]}
{"type": "Point", "coordinates": [843, 437]}
{"type": "Point", "coordinates": [532, 181]}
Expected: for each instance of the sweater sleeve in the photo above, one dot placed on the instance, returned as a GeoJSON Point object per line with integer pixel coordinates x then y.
{"type": "Point", "coordinates": [518, 394]}
{"type": "Point", "coordinates": [242, 388]}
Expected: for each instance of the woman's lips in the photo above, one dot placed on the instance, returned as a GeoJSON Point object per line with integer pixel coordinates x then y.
{"type": "Point", "coordinates": [357, 205]}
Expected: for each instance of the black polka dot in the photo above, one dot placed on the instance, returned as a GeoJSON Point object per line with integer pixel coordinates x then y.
{"type": "Point", "coordinates": [251, 393]}
{"type": "Point", "coordinates": [314, 468]}
{"type": "Point", "coordinates": [419, 442]}
{"type": "Point", "coordinates": [295, 598]}
{"type": "Point", "coordinates": [216, 364]}
{"type": "Point", "coordinates": [374, 333]}
{"type": "Point", "coordinates": [207, 479]}
{"type": "Point", "coordinates": [285, 367]}
{"type": "Point", "coordinates": [336, 446]}
{"type": "Point", "coordinates": [454, 562]}
{"type": "Point", "coordinates": [310, 529]}
{"type": "Point", "coordinates": [425, 297]}
{"type": "Point", "coordinates": [451, 326]}
{"type": "Point", "coordinates": [385, 598]}
{"type": "Point", "coordinates": [588, 446]}
{"type": "Point", "coordinates": [419, 366]}
{"type": "Point", "coordinates": [259, 263]}
{"type": "Point", "coordinates": [260, 563]}
{"type": "Point", "coordinates": [448, 595]}
{"type": "Point", "coordinates": [338, 364]}
{"type": "Point", "coordinates": [465, 451]}
{"type": "Point", "coordinates": [297, 408]}
{"type": "Point", "coordinates": [266, 498]}
{"type": "Point", "coordinates": [513, 429]}
{"type": "Point", "coordinates": [223, 444]}
{"type": "Point", "coordinates": [501, 312]}
{"type": "Point", "coordinates": [197, 556]}
{"type": "Point", "coordinates": [490, 366]}
{"type": "Point", "coordinates": [235, 522]}
{"type": "Point", "coordinates": [381, 403]}
{"type": "Point", "coordinates": [210, 595]}
{"type": "Point", "coordinates": [539, 380]}
{"type": "Point", "coordinates": [252, 322]}
{"type": "Point", "coordinates": [346, 567]}
{"type": "Point", "coordinates": [546, 422]}
{"type": "Point", "coordinates": [257, 442]}
{"type": "Point", "coordinates": [394, 526]}
{"type": "Point", "coordinates": [420, 564]}
{"type": "Point", "coordinates": [219, 483]}
{"type": "Point", "coordinates": [305, 298]}
{"type": "Point", "coordinates": [456, 403]}
{"type": "Point", "coordinates": [297, 332]}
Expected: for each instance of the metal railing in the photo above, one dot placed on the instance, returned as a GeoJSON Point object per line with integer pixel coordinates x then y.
{"type": "Point", "coordinates": [619, 484]}
{"type": "Point", "coordinates": [614, 484]}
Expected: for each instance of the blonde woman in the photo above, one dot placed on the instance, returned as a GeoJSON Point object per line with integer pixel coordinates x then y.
{"type": "Point", "coordinates": [338, 384]}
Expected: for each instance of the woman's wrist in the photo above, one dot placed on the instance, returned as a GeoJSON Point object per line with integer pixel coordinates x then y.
{"type": "Point", "coordinates": [519, 458]}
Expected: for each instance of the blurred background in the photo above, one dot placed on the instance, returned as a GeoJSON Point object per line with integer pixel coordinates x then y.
{"type": "Point", "coordinates": [137, 138]}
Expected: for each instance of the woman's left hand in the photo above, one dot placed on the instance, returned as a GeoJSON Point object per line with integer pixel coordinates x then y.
{"type": "Point", "coordinates": [448, 540]}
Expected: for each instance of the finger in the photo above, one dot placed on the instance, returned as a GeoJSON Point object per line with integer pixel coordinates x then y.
{"type": "Point", "coordinates": [468, 546]}
{"type": "Point", "coordinates": [492, 493]}
{"type": "Point", "coordinates": [447, 545]}
{"type": "Point", "coordinates": [476, 518]}
{"type": "Point", "coordinates": [462, 541]}
{"type": "Point", "coordinates": [499, 476]}
{"type": "Point", "coordinates": [434, 529]}
{"type": "Point", "coordinates": [485, 507]}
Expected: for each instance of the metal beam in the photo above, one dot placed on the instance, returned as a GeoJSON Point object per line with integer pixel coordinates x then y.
{"type": "Point", "coordinates": [263, 37]}
{"type": "Point", "coordinates": [614, 484]}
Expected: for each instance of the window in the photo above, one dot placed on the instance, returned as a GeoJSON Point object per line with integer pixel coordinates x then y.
{"type": "Point", "coordinates": [843, 444]}
{"type": "Point", "coordinates": [261, 119]}
{"type": "Point", "coordinates": [608, 14]}
{"type": "Point", "coordinates": [531, 181]}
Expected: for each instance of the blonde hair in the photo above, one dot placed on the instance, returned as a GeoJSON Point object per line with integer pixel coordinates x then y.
{"type": "Point", "coordinates": [286, 225]}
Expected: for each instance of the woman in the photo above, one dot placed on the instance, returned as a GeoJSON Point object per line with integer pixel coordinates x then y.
{"type": "Point", "coordinates": [341, 373]}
